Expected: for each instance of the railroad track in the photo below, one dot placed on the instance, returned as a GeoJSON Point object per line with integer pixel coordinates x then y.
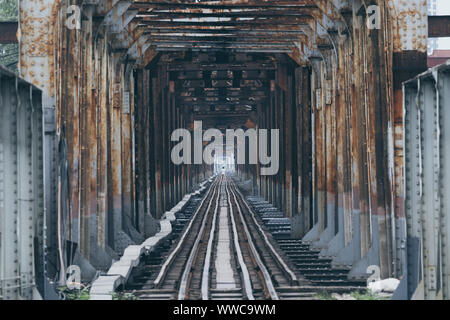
{"type": "Point", "coordinates": [220, 254]}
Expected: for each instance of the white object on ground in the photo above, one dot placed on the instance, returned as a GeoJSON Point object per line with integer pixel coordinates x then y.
{"type": "Point", "coordinates": [387, 285]}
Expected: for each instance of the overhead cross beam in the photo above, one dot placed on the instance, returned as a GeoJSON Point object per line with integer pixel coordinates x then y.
{"type": "Point", "coordinates": [438, 26]}
{"type": "Point", "coordinates": [8, 32]}
{"type": "Point", "coordinates": [295, 27]}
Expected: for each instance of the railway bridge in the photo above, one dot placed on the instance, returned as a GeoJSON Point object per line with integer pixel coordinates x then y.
{"type": "Point", "coordinates": [341, 171]}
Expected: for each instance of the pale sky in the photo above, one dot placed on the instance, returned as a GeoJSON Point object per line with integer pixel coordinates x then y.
{"type": "Point", "coordinates": [443, 8]}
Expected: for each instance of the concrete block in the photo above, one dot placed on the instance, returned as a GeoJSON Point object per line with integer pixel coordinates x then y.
{"type": "Point", "coordinates": [104, 286]}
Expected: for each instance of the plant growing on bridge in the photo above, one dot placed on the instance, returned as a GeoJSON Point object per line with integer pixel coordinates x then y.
{"type": "Point", "coordinates": [68, 294]}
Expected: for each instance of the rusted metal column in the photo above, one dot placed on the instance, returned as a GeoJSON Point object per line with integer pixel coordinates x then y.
{"type": "Point", "coordinates": [180, 169]}
{"type": "Point", "coordinates": [342, 175]}
{"type": "Point", "coordinates": [37, 55]}
{"type": "Point", "coordinates": [258, 177]}
{"type": "Point", "coordinates": [380, 187]}
{"type": "Point", "coordinates": [88, 144]}
{"type": "Point", "coordinates": [172, 169]}
{"type": "Point", "coordinates": [165, 104]}
{"type": "Point", "coordinates": [360, 141]}
{"type": "Point", "coordinates": [319, 138]}
{"type": "Point", "coordinates": [298, 151]}
{"type": "Point", "coordinates": [282, 125]}
{"type": "Point", "coordinates": [277, 114]}
{"type": "Point", "coordinates": [116, 155]}
{"type": "Point", "coordinates": [289, 142]}
{"type": "Point", "coordinates": [175, 125]}
{"type": "Point", "coordinates": [71, 127]}
{"type": "Point", "coordinates": [140, 130]}
{"type": "Point", "coordinates": [132, 103]}
{"type": "Point", "coordinates": [127, 150]}
{"type": "Point", "coordinates": [166, 151]}
{"type": "Point", "coordinates": [145, 164]}
{"type": "Point", "coordinates": [271, 124]}
{"type": "Point", "coordinates": [190, 168]}
{"type": "Point", "coordinates": [263, 125]}
{"type": "Point", "coordinates": [150, 146]}
{"type": "Point", "coordinates": [163, 129]}
{"type": "Point", "coordinates": [268, 126]}
{"type": "Point", "coordinates": [409, 34]}
{"type": "Point", "coordinates": [102, 143]}
{"type": "Point", "coordinates": [157, 123]}
{"type": "Point", "coordinates": [84, 152]}
{"type": "Point", "coordinates": [293, 96]}
{"type": "Point", "coordinates": [331, 169]}
{"type": "Point", "coordinates": [184, 170]}
{"type": "Point", "coordinates": [305, 156]}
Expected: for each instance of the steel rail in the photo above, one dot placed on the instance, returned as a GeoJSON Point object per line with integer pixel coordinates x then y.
{"type": "Point", "coordinates": [175, 252]}
{"type": "Point", "coordinates": [267, 279]}
{"type": "Point", "coordinates": [207, 265]}
{"type": "Point", "coordinates": [188, 268]}
{"type": "Point", "coordinates": [274, 253]}
{"type": "Point", "coordinates": [243, 267]}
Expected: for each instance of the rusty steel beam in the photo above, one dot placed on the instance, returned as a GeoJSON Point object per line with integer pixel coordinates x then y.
{"type": "Point", "coordinates": [213, 21]}
{"type": "Point", "coordinates": [224, 75]}
{"type": "Point", "coordinates": [215, 67]}
{"type": "Point", "coordinates": [227, 37]}
{"type": "Point", "coordinates": [189, 92]}
{"type": "Point", "coordinates": [278, 25]}
{"type": "Point", "coordinates": [219, 104]}
{"type": "Point", "coordinates": [438, 26]}
{"type": "Point", "coordinates": [223, 83]}
{"type": "Point", "coordinates": [237, 32]}
{"type": "Point", "coordinates": [224, 5]}
{"type": "Point", "coordinates": [221, 42]}
{"type": "Point", "coordinates": [323, 22]}
{"type": "Point", "coordinates": [249, 13]}
{"type": "Point", "coordinates": [204, 48]}
{"type": "Point", "coordinates": [222, 99]}
{"type": "Point", "coordinates": [215, 92]}
{"type": "Point", "coordinates": [8, 32]}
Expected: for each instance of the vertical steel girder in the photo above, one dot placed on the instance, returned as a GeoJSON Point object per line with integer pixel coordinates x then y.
{"type": "Point", "coordinates": [427, 157]}
{"type": "Point", "coordinates": [21, 188]}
